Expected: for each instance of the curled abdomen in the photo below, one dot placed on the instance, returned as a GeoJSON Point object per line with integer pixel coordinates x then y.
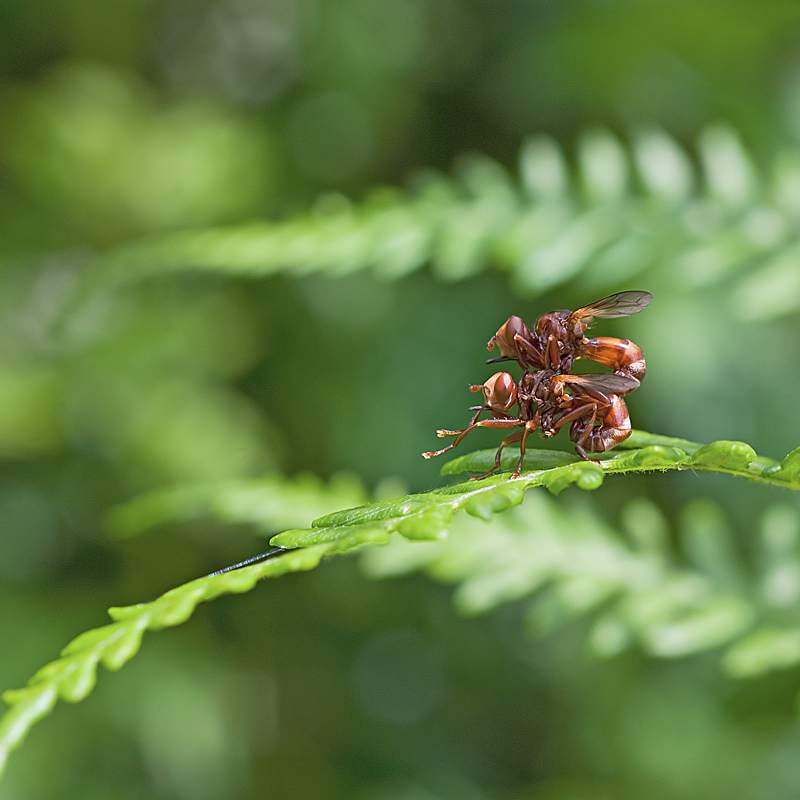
{"type": "Point", "coordinates": [622, 355]}
{"type": "Point", "coordinates": [614, 427]}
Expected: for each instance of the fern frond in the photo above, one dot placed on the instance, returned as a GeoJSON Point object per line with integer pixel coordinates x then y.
{"type": "Point", "coordinates": [650, 452]}
{"type": "Point", "coordinates": [620, 210]}
{"type": "Point", "coordinates": [72, 677]}
{"type": "Point", "coordinates": [424, 516]}
{"type": "Point", "coordinates": [566, 564]}
{"type": "Point", "coordinates": [271, 504]}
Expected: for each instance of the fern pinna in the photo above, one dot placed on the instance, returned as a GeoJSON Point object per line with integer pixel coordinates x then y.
{"type": "Point", "coordinates": [671, 627]}
{"type": "Point", "coordinates": [614, 212]}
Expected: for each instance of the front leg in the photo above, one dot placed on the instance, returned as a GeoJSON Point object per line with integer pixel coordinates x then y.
{"type": "Point", "coordinates": [518, 436]}
{"type": "Point", "coordinates": [515, 437]}
{"type": "Point", "coordinates": [486, 423]}
{"type": "Point", "coordinates": [531, 425]}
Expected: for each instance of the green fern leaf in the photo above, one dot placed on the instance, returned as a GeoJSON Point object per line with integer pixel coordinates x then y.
{"type": "Point", "coordinates": [628, 207]}
{"type": "Point", "coordinates": [426, 517]}
{"type": "Point", "coordinates": [566, 563]}
{"type": "Point", "coordinates": [272, 503]}
{"type": "Point", "coordinates": [73, 676]}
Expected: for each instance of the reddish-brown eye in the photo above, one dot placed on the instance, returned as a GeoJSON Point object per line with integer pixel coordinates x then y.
{"type": "Point", "coordinates": [500, 391]}
{"type": "Point", "coordinates": [504, 338]}
{"type": "Point", "coordinates": [515, 326]}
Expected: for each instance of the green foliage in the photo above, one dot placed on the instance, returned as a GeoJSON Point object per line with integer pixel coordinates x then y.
{"type": "Point", "coordinates": [572, 565]}
{"type": "Point", "coordinates": [621, 210]}
{"type": "Point", "coordinates": [270, 504]}
{"type": "Point", "coordinates": [566, 563]}
{"type": "Point", "coordinates": [650, 452]}
{"type": "Point", "coordinates": [73, 676]}
{"type": "Point", "coordinates": [671, 612]}
{"type": "Point", "coordinates": [606, 221]}
{"type": "Point", "coordinates": [183, 324]}
{"type": "Point", "coordinates": [110, 149]}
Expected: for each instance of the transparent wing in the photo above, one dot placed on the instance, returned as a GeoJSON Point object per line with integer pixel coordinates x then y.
{"type": "Point", "coordinates": [607, 383]}
{"type": "Point", "coordinates": [622, 304]}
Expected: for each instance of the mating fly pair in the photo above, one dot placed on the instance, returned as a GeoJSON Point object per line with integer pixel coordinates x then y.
{"type": "Point", "coordinates": [549, 396]}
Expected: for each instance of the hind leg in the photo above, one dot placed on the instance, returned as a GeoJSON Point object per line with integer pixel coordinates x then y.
{"type": "Point", "coordinates": [614, 427]}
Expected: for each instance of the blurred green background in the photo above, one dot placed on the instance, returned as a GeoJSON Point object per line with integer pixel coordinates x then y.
{"type": "Point", "coordinates": [126, 120]}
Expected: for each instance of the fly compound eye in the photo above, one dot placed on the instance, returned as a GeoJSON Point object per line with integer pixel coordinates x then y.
{"type": "Point", "coordinates": [504, 338]}
{"type": "Point", "coordinates": [514, 327]}
{"type": "Point", "coordinates": [500, 391]}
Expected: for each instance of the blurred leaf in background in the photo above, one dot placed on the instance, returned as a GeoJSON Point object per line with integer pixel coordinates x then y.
{"type": "Point", "coordinates": [94, 142]}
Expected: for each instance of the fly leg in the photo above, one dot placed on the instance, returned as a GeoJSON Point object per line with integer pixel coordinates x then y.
{"type": "Point", "coordinates": [486, 423]}
{"type": "Point", "coordinates": [518, 436]}
{"type": "Point", "coordinates": [580, 429]}
{"type": "Point", "coordinates": [515, 437]}
{"type": "Point", "coordinates": [614, 427]}
{"type": "Point", "coordinates": [477, 409]}
{"type": "Point", "coordinates": [530, 425]}
{"type": "Point", "coordinates": [552, 353]}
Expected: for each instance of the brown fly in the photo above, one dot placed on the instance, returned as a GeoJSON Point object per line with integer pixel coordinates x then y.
{"type": "Point", "coordinates": [546, 401]}
{"type": "Point", "coordinates": [557, 338]}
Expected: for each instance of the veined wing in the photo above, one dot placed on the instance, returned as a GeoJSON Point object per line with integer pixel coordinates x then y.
{"type": "Point", "coordinates": [607, 382]}
{"type": "Point", "coordinates": [622, 304]}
